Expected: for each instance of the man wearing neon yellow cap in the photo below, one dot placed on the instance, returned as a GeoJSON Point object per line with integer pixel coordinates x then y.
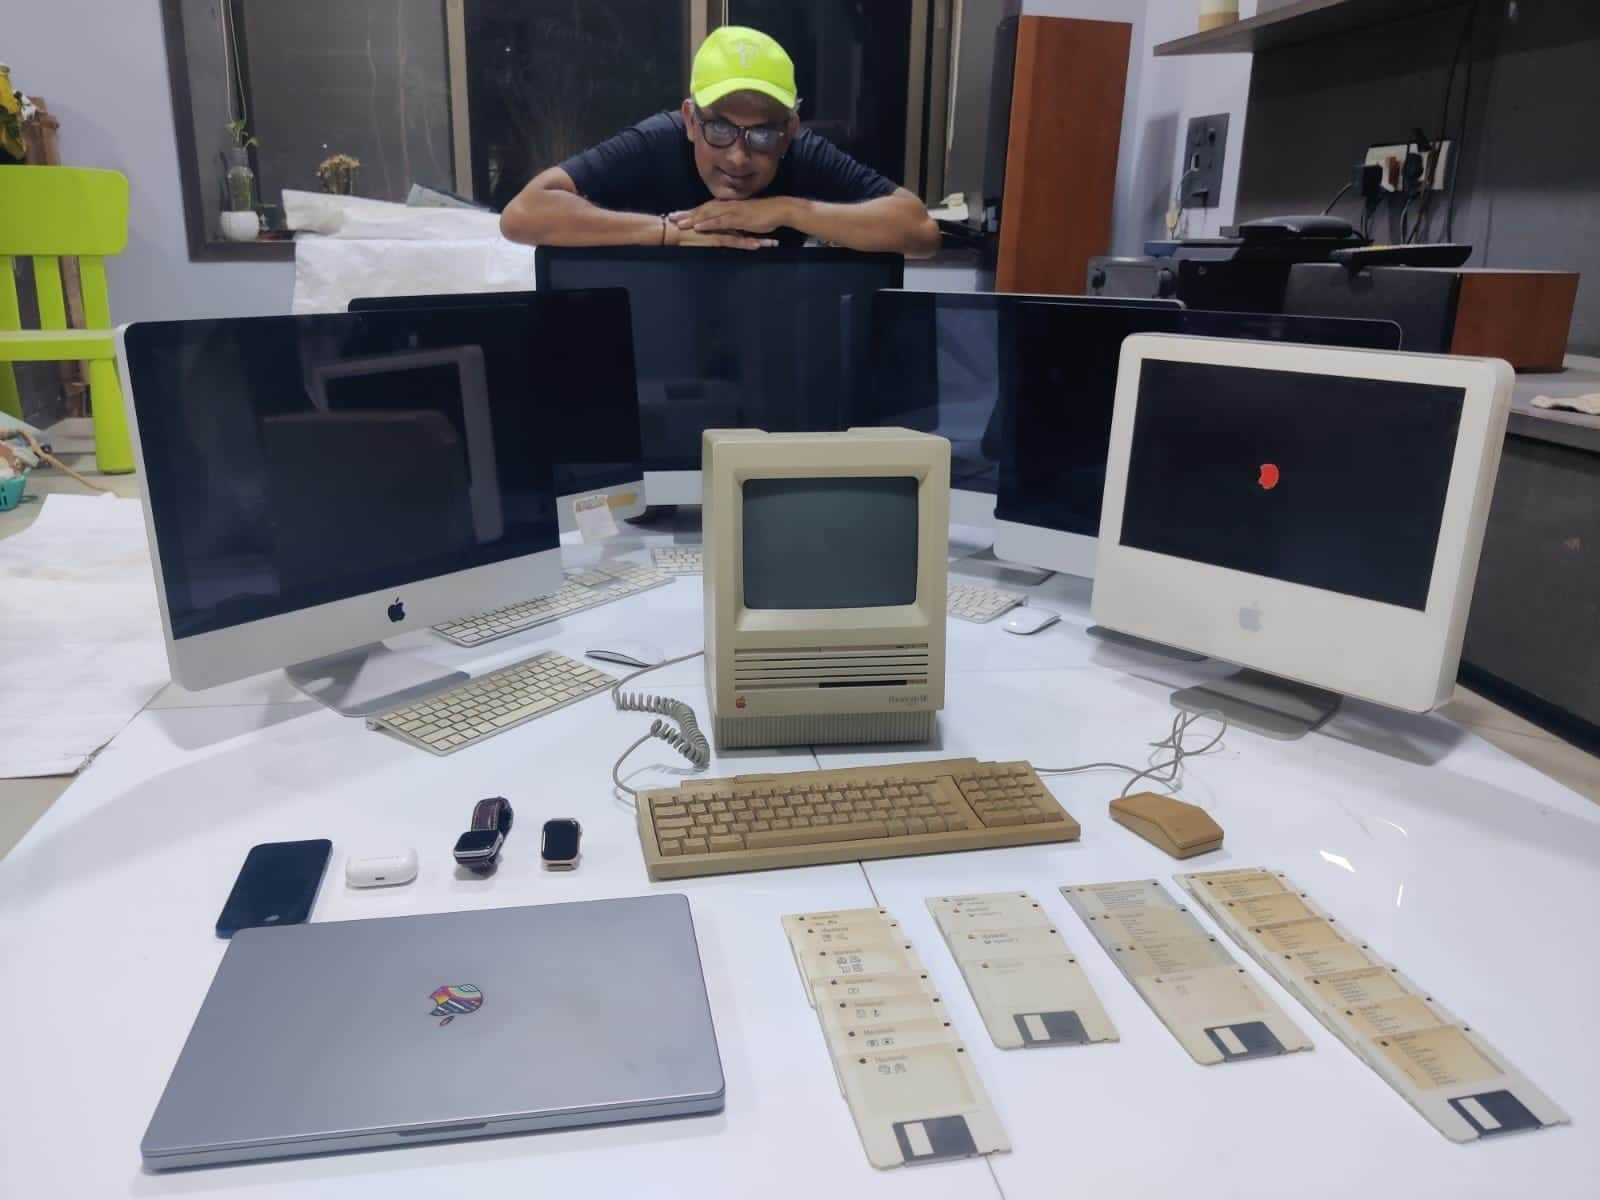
{"type": "Point", "coordinates": [731, 168]}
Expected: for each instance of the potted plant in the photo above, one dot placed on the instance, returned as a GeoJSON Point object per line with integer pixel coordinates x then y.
{"type": "Point", "coordinates": [240, 223]}
{"type": "Point", "coordinates": [338, 174]}
{"type": "Point", "coordinates": [16, 110]}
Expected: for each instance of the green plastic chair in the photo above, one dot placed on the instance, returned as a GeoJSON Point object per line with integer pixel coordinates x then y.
{"type": "Point", "coordinates": [45, 213]}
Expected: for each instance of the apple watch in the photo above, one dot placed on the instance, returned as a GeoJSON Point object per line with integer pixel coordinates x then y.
{"type": "Point", "coordinates": [558, 845]}
{"type": "Point", "coordinates": [479, 848]}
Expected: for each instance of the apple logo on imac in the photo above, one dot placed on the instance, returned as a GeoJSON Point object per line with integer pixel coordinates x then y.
{"type": "Point", "coordinates": [1250, 619]}
{"type": "Point", "coordinates": [397, 611]}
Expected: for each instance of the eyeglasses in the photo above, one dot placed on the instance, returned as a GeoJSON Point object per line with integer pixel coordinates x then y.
{"type": "Point", "coordinates": [758, 139]}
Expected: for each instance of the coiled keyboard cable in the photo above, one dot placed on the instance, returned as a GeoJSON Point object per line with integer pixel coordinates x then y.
{"type": "Point", "coordinates": [675, 723]}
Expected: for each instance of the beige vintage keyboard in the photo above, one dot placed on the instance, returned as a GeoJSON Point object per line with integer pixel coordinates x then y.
{"type": "Point", "coordinates": [754, 822]}
{"type": "Point", "coordinates": [677, 560]}
{"type": "Point", "coordinates": [976, 603]}
{"type": "Point", "coordinates": [586, 587]}
{"type": "Point", "coordinates": [482, 707]}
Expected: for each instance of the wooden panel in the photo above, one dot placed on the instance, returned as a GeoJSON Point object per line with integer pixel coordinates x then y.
{"type": "Point", "coordinates": [1520, 316]}
{"type": "Point", "coordinates": [1061, 157]}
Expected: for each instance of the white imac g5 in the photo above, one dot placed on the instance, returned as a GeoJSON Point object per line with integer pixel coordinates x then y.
{"type": "Point", "coordinates": [313, 485]}
{"type": "Point", "coordinates": [1313, 515]}
{"type": "Point", "coordinates": [825, 579]}
{"type": "Point", "coordinates": [580, 345]}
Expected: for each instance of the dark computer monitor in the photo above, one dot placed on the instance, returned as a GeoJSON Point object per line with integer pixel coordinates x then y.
{"type": "Point", "coordinates": [315, 484]}
{"type": "Point", "coordinates": [1355, 332]}
{"type": "Point", "coordinates": [1053, 473]}
{"type": "Point", "coordinates": [580, 351]}
{"type": "Point", "coordinates": [945, 363]}
{"type": "Point", "coordinates": [728, 339]}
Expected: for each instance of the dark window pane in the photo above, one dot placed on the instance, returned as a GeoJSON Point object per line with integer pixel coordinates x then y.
{"type": "Point", "coordinates": [367, 80]}
{"type": "Point", "coordinates": [547, 79]}
{"type": "Point", "coordinates": [851, 60]}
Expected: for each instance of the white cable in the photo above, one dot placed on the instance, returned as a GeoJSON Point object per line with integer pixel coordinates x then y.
{"type": "Point", "coordinates": [1172, 767]}
{"type": "Point", "coordinates": [680, 729]}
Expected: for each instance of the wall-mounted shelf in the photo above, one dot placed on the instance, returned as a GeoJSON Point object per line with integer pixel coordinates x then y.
{"type": "Point", "coordinates": [1301, 21]}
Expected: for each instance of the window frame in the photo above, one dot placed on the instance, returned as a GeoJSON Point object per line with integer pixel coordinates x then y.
{"type": "Point", "coordinates": [202, 248]}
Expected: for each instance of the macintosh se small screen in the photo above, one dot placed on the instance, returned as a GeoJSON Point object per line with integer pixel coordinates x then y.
{"type": "Point", "coordinates": [830, 543]}
{"type": "Point", "coordinates": [1321, 480]}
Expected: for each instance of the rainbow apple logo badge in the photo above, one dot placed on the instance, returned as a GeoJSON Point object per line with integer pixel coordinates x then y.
{"type": "Point", "coordinates": [454, 1000]}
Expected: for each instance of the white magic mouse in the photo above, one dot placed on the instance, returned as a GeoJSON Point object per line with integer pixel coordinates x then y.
{"type": "Point", "coordinates": [1030, 620]}
{"type": "Point", "coordinates": [628, 654]}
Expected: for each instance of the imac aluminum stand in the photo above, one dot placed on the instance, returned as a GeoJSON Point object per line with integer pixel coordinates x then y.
{"type": "Point", "coordinates": [982, 565]}
{"type": "Point", "coordinates": [1276, 708]}
{"type": "Point", "coordinates": [371, 679]}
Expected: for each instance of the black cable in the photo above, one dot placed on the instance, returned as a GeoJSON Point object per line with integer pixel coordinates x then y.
{"type": "Point", "coordinates": [1462, 42]}
{"type": "Point", "coordinates": [1468, 28]}
{"type": "Point", "coordinates": [1343, 192]}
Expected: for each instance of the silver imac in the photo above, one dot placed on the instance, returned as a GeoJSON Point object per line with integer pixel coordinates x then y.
{"type": "Point", "coordinates": [948, 363]}
{"type": "Point", "coordinates": [314, 485]}
{"type": "Point", "coordinates": [343, 386]}
{"type": "Point", "coordinates": [580, 345]}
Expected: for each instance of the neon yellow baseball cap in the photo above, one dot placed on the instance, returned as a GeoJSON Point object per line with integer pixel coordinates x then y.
{"type": "Point", "coordinates": [736, 58]}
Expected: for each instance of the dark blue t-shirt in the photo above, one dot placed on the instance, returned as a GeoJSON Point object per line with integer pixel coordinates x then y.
{"type": "Point", "coordinates": [649, 167]}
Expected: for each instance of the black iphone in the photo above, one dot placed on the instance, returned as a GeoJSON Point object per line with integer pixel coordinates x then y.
{"type": "Point", "coordinates": [276, 885]}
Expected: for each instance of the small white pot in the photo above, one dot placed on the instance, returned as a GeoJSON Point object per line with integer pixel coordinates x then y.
{"type": "Point", "coordinates": [240, 226]}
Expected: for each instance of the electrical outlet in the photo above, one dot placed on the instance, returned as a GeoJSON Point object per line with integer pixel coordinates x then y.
{"type": "Point", "coordinates": [1392, 158]}
{"type": "Point", "coordinates": [1204, 150]}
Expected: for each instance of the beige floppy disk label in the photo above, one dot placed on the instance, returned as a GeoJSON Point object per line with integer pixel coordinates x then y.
{"type": "Point", "coordinates": [838, 962]}
{"type": "Point", "coordinates": [1171, 955]}
{"type": "Point", "coordinates": [916, 1104]}
{"type": "Point", "coordinates": [1296, 935]}
{"type": "Point", "coordinates": [1270, 910]}
{"type": "Point", "coordinates": [883, 1037]}
{"type": "Point", "coordinates": [1356, 989]}
{"type": "Point", "coordinates": [1325, 960]}
{"type": "Point", "coordinates": [1203, 997]}
{"type": "Point", "coordinates": [1038, 1001]}
{"type": "Point", "coordinates": [843, 916]}
{"type": "Point", "coordinates": [1437, 1058]}
{"type": "Point", "coordinates": [1403, 1014]}
{"type": "Point", "coordinates": [1101, 899]}
{"type": "Point", "coordinates": [1138, 925]}
{"type": "Point", "coordinates": [1241, 885]}
{"type": "Point", "coordinates": [853, 988]}
{"type": "Point", "coordinates": [990, 911]}
{"type": "Point", "coordinates": [1013, 943]}
{"type": "Point", "coordinates": [878, 1012]}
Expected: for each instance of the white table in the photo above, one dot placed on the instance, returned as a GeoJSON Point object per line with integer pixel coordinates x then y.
{"type": "Point", "coordinates": [1474, 872]}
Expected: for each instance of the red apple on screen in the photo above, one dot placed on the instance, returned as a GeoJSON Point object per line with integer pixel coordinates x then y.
{"type": "Point", "coordinates": [1269, 476]}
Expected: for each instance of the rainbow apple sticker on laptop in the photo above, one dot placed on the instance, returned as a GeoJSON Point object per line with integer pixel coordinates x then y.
{"type": "Point", "coordinates": [454, 1000]}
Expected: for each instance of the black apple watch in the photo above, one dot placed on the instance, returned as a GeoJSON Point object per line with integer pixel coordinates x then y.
{"type": "Point", "coordinates": [479, 848]}
{"type": "Point", "coordinates": [558, 846]}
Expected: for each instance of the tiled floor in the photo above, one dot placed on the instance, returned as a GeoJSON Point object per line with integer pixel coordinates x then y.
{"type": "Point", "coordinates": [23, 801]}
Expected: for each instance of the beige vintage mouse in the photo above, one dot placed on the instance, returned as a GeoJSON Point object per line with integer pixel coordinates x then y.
{"type": "Point", "coordinates": [1181, 829]}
